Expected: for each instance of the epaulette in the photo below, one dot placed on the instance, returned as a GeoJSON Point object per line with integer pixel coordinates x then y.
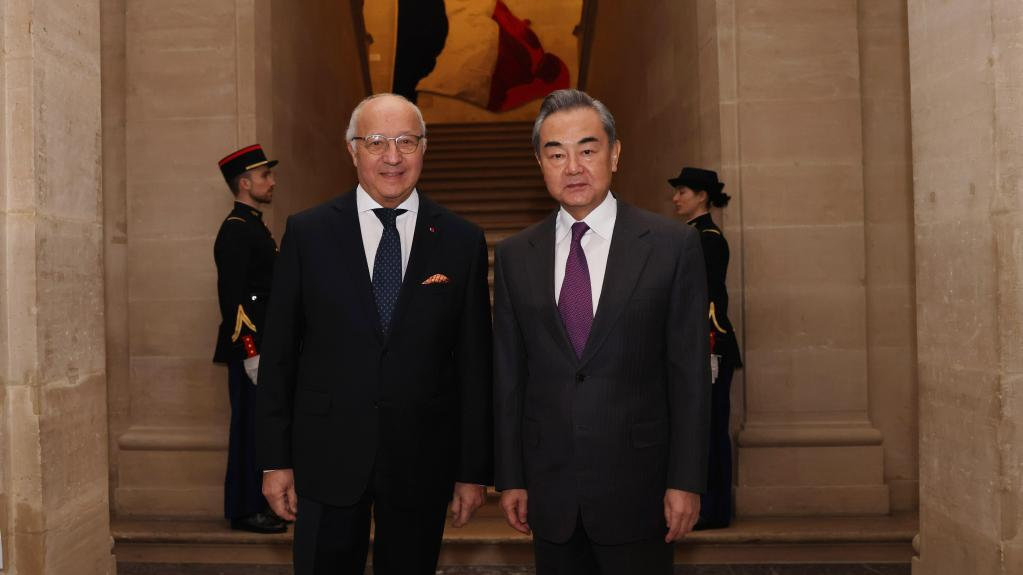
{"type": "Point", "coordinates": [711, 231]}
{"type": "Point", "coordinates": [236, 218]}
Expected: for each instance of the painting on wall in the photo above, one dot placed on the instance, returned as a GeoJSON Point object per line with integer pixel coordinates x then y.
{"type": "Point", "coordinates": [484, 52]}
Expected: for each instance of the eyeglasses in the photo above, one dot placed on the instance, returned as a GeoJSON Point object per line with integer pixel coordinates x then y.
{"type": "Point", "coordinates": [376, 144]}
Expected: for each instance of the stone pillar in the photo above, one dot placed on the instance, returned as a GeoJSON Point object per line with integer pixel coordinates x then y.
{"type": "Point", "coordinates": [966, 66]}
{"type": "Point", "coordinates": [54, 508]}
{"type": "Point", "coordinates": [187, 82]}
{"type": "Point", "coordinates": [888, 219]}
{"type": "Point", "coordinates": [181, 93]}
{"type": "Point", "coordinates": [792, 138]}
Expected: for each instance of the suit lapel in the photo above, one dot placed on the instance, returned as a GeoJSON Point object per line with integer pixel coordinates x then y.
{"type": "Point", "coordinates": [424, 240]}
{"type": "Point", "coordinates": [348, 235]}
{"type": "Point", "coordinates": [541, 277]}
{"type": "Point", "coordinates": [625, 261]}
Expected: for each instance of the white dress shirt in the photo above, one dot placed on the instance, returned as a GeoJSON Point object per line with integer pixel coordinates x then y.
{"type": "Point", "coordinates": [596, 244]}
{"type": "Point", "coordinates": [373, 229]}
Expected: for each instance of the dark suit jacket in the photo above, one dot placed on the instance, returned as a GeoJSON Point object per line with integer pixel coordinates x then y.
{"type": "Point", "coordinates": [604, 435]}
{"type": "Point", "coordinates": [336, 400]}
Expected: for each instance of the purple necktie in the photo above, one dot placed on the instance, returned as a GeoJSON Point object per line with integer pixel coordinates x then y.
{"type": "Point", "coordinates": [576, 300]}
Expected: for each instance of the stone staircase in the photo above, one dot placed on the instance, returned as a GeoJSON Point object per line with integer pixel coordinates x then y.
{"type": "Point", "coordinates": [762, 546]}
{"type": "Point", "coordinates": [486, 173]}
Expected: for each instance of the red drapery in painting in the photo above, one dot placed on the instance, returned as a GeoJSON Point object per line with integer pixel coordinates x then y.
{"type": "Point", "coordinates": [523, 71]}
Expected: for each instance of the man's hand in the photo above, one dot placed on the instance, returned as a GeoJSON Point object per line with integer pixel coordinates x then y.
{"type": "Point", "coordinates": [513, 502]}
{"type": "Point", "coordinates": [681, 510]}
{"type": "Point", "coordinates": [252, 367]}
{"type": "Point", "coordinates": [468, 497]}
{"type": "Point", "coordinates": [279, 491]}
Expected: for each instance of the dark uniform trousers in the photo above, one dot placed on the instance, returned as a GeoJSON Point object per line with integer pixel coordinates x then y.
{"type": "Point", "coordinates": [243, 494]}
{"type": "Point", "coordinates": [716, 503]}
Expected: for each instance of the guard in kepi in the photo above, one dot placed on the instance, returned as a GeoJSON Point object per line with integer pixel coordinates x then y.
{"type": "Point", "coordinates": [696, 190]}
{"type": "Point", "coordinates": [244, 252]}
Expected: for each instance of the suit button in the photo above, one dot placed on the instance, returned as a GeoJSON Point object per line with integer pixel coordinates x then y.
{"type": "Point", "coordinates": [580, 377]}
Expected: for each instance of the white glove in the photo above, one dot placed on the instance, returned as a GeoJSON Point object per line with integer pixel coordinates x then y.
{"type": "Point", "coordinates": [252, 368]}
{"type": "Point", "coordinates": [714, 360]}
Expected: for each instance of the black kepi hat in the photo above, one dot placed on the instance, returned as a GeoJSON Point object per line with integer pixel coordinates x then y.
{"type": "Point", "coordinates": [697, 179]}
{"type": "Point", "coordinates": [245, 159]}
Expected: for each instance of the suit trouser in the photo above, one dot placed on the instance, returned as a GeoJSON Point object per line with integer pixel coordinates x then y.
{"type": "Point", "coordinates": [332, 540]}
{"type": "Point", "coordinates": [243, 482]}
{"type": "Point", "coordinates": [716, 503]}
{"type": "Point", "coordinates": [582, 556]}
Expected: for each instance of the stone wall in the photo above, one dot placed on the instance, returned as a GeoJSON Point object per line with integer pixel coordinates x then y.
{"type": "Point", "coordinates": [185, 84]}
{"type": "Point", "coordinates": [316, 82]}
{"type": "Point", "coordinates": [806, 119]}
{"type": "Point", "coordinates": [53, 465]}
{"type": "Point", "coordinates": [644, 64]}
{"type": "Point", "coordinates": [966, 65]}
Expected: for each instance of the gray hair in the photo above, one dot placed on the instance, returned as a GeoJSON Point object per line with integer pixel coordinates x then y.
{"type": "Point", "coordinates": [569, 99]}
{"type": "Point", "coordinates": [354, 121]}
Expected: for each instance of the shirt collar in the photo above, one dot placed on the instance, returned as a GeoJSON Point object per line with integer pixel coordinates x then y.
{"type": "Point", "coordinates": [364, 203]}
{"type": "Point", "coordinates": [601, 220]}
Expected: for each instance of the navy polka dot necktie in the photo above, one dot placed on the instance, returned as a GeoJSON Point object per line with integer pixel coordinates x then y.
{"type": "Point", "coordinates": [387, 267]}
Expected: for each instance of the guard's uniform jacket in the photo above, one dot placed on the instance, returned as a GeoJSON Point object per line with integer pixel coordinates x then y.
{"type": "Point", "coordinates": [244, 252]}
{"type": "Point", "coordinates": [715, 254]}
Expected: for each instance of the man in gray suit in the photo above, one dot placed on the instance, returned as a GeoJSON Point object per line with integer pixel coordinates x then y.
{"type": "Point", "coordinates": [602, 382]}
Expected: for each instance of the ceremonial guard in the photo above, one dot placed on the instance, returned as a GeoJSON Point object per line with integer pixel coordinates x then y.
{"type": "Point", "coordinates": [696, 191]}
{"type": "Point", "coordinates": [245, 251]}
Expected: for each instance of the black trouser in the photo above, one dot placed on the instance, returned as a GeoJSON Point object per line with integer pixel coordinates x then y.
{"type": "Point", "coordinates": [716, 503]}
{"type": "Point", "coordinates": [582, 556]}
{"type": "Point", "coordinates": [333, 540]}
{"type": "Point", "coordinates": [243, 482]}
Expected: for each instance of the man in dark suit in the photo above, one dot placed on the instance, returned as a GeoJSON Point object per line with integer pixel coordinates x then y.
{"type": "Point", "coordinates": [601, 375]}
{"type": "Point", "coordinates": [244, 253]}
{"type": "Point", "coordinates": [375, 378]}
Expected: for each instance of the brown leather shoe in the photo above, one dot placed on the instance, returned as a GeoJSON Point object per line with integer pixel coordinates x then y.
{"type": "Point", "coordinates": [259, 523]}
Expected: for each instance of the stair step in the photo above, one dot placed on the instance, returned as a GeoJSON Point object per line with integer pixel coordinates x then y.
{"type": "Point", "coordinates": [483, 184]}
{"type": "Point", "coordinates": [529, 173]}
{"type": "Point", "coordinates": [512, 161]}
{"type": "Point", "coordinates": [487, 540]}
{"type": "Point", "coordinates": [490, 143]}
{"type": "Point", "coordinates": [433, 156]}
{"type": "Point", "coordinates": [475, 204]}
{"type": "Point", "coordinates": [490, 194]}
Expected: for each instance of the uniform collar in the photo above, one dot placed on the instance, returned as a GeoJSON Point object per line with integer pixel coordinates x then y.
{"type": "Point", "coordinates": [701, 219]}
{"type": "Point", "coordinates": [247, 210]}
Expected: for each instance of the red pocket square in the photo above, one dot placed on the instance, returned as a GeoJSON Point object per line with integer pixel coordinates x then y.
{"type": "Point", "coordinates": [436, 279]}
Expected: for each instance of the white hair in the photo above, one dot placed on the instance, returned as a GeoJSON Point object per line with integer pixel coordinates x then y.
{"type": "Point", "coordinates": [354, 121]}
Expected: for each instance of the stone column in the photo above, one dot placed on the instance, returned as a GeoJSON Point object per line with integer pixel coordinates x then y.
{"type": "Point", "coordinates": [966, 68]}
{"type": "Point", "coordinates": [186, 83]}
{"type": "Point", "coordinates": [792, 123]}
{"type": "Point", "coordinates": [54, 508]}
{"type": "Point", "coordinates": [181, 93]}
